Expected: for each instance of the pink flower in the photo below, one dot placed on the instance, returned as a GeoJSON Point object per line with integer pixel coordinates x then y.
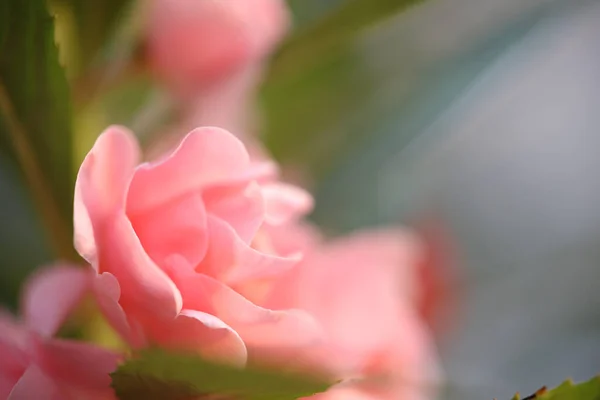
{"type": "Point", "coordinates": [171, 242]}
{"type": "Point", "coordinates": [210, 55]}
{"type": "Point", "coordinates": [193, 44]}
{"type": "Point", "coordinates": [34, 365]}
{"type": "Point", "coordinates": [362, 291]}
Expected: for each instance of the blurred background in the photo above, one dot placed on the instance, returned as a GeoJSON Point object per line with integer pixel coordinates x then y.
{"type": "Point", "coordinates": [473, 121]}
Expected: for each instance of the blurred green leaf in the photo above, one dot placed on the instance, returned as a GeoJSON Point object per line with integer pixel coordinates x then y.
{"type": "Point", "coordinates": [94, 23]}
{"type": "Point", "coordinates": [166, 376]}
{"type": "Point", "coordinates": [344, 22]}
{"type": "Point", "coordinates": [123, 104]}
{"type": "Point", "coordinates": [22, 243]}
{"type": "Point", "coordinates": [589, 390]}
{"type": "Point", "coordinates": [35, 114]}
{"type": "Point", "coordinates": [318, 79]}
{"type": "Point", "coordinates": [309, 11]}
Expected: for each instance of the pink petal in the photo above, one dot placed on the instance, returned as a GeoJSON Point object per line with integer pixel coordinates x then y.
{"type": "Point", "coordinates": [144, 286]}
{"type": "Point", "coordinates": [257, 326]}
{"type": "Point", "coordinates": [51, 294]}
{"type": "Point", "coordinates": [178, 227]}
{"type": "Point", "coordinates": [7, 382]}
{"type": "Point", "coordinates": [403, 391]}
{"type": "Point", "coordinates": [262, 171]}
{"type": "Point", "coordinates": [34, 384]}
{"type": "Point", "coordinates": [202, 62]}
{"type": "Point", "coordinates": [14, 359]}
{"type": "Point", "coordinates": [77, 364]}
{"type": "Point", "coordinates": [84, 240]}
{"type": "Point", "coordinates": [241, 206]}
{"type": "Point", "coordinates": [297, 237]}
{"type": "Point", "coordinates": [347, 393]}
{"type": "Point", "coordinates": [107, 293]}
{"type": "Point", "coordinates": [411, 356]}
{"type": "Point", "coordinates": [241, 32]}
{"type": "Point", "coordinates": [14, 338]}
{"type": "Point", "coordinates": [233, 261]}
{"type": "Point", "coordinates": [285, 202]}
{"type": "Point", "coordinates": [204, 333]}
{"type": "Point", "coordinates": [102, 184]}
{"type": "Point", "coordinates": [102, 188]}
{"type": "Point", "coordinates": [205, 157]}
{"type": "Point", "coordinates": [353, 287]}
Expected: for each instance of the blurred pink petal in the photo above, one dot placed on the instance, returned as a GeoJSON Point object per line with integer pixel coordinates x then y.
{"type": "Point", "coordinates": [411, 355]}
{"type": "Point", "coordinates": [13, 338]}
{"type": "Point", "coordinates": [360, 289]}
{"type": "Point", "coordinates": [359, 392]}
{"type": "Point", "coordinates": [33, 365]}
{"type": "Point", "coordinates": [349, 393]}
{"type": "Point", "coordinates": [240, 32]}
{"type": "Point", "coordinates": [366, 268]}
{"type": "Point", "coordinates": [35, 384]}
{"type": "Point", "coordinates": [438, 273]}
{"type": "Point", "coordinates": [14, 351]}
{"type": "Point", "coordinates": [51, 294]}
{"type": "Point", "coordinates": [79, 364]}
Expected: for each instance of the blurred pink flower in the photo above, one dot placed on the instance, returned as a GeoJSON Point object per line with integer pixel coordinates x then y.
{"type": "Point", "coordinates": [195, 44]}
{"type": "Point", "coordinates": [210, 56]}
{"type": "Point", "coordinates": [171, 243]}
{"type": "Point", "coordinates": [33, 365]}
{"type": "Point", "coordinates": [438, 275]}
{"type": "Point", "coordinates": [362, 291]}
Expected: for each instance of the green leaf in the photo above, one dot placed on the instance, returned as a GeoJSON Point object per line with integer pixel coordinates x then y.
{"type": "Point", "coordinates": [344, 21]}
{"type": "Point", "coordinates": [93, 24]}
{"type": "Point", "coordinates": [318, 79]}
{"type": "Point", "coordinates": [35, 114]}
{"type": "Point", "coordinates": [167, 376]}
{"type": "Point", "coordinates": [589, 390]}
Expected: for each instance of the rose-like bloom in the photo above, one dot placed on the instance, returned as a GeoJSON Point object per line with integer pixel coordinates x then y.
{"type": "Point", "coordinates": [33, 365]}
{"type": "Point", "coordinates": [362, 291]}
{"type": "Point", "coordinates": [194, 44]}
{"type": "Point", "coordinates": [171, 242]}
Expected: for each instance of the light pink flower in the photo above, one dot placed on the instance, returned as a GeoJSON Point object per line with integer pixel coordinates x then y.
{"type": "Point", "coordinates": [362, 290]}
{"type": "Point", "coordinates": [33, 365]}
{"type": "Point", "coordinates": [171, 243]}
{"type": "Point", "coordinates": [210, 55]}
{"type": "Point", "coordinates": [193, 44]}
